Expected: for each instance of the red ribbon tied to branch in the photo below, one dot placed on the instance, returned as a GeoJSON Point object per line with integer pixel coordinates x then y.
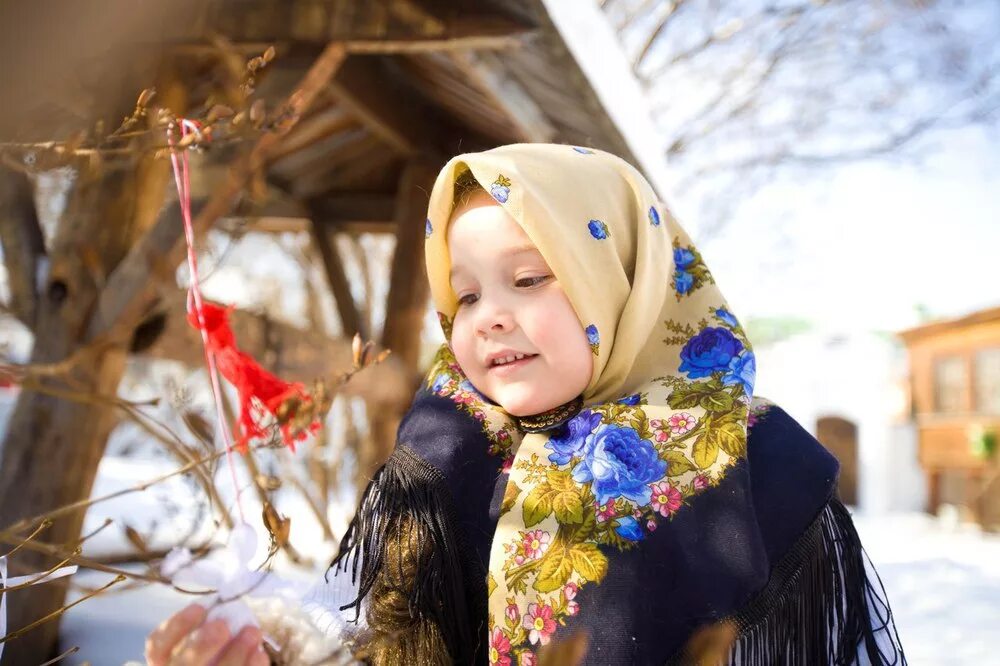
{"type": "Point", "coordinates": [265, 400]}
{"type": "Point", "coordinates": [262, 395]}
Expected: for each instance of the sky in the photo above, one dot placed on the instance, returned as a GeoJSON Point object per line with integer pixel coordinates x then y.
{"type": "Point", "coordinates": [860, 246]}
{"type": "Point", "coordinates": [850, 248]}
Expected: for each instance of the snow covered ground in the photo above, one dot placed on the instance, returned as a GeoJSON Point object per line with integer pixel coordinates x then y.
{"type": "Point", "coordinates": [943, 583]}
{"type": "Point", "coordinates": [944, 586]}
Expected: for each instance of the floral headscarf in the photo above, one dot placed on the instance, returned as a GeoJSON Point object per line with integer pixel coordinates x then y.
{"type": "Point", "coordinates": [665, 413]}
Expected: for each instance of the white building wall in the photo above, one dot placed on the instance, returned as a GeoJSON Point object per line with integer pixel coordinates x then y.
{"type": "Point", "coordinates": [858, 377]}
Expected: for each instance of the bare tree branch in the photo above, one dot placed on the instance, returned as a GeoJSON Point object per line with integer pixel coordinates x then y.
{"type": "Point", "coordinates": [669, 11]}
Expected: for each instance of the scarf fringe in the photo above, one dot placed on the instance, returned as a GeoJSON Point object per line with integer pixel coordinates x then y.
{"type": "Point", "coordinates": [407, 560]}
{"type": "Point", "coordinates": [824, 604]}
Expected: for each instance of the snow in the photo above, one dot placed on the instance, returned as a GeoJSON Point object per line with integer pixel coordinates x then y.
{"type": "Point", "coordinates": [943, 582]}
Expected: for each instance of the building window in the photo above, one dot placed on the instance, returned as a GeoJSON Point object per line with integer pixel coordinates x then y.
{"type": "Point", "coordinates": [950, 382]}
{"type": "Point", "coordinates": [987, 378]}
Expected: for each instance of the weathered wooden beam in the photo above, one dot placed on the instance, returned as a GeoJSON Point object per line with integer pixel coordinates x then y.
{"type": "Point", "coordinates": [406, 302]}
{"type": "Point", "coordinates": [408, 288]}
{"type": "Point", "coordinates": [492, 78]}
{"type": "Point", "coordinates": [320, 176]}
{"type": "Point", "coordinates": [471, 42]}
{"type": "Point", "coordinates": [314, 156]}
{"type": "Point", "coordinates": [358, 207]}
{"type": "Point", "coordinates": [395, 115]}
{"type": "Point", "coordinates": [346, 212]}
{"type": "Point", "coordinates": [264, 225]}
{"type": "Point", "coordinates": [350, 318]}
{"type": "Point", "coordinates": [381, 26]}
{"type": "Point", "coordinates": [311, 129]}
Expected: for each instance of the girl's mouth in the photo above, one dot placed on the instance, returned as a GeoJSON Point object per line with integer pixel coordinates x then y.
{"type": "Point", "coordinates": [505, 369]}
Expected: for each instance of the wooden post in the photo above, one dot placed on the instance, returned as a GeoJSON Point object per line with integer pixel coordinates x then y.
{"type": "Point", "coordinates": [406, 303]}
{"type": "Point", "coordinates": [350, 320]}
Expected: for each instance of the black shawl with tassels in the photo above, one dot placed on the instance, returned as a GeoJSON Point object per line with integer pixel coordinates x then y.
{"type": "Point", "coordinates": [766, 568]}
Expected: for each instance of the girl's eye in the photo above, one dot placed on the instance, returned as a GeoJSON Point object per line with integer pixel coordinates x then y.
{"type": "Point", "coordinates": [464, 299]}
{"type": "Point", "coordinates": [532, 281]}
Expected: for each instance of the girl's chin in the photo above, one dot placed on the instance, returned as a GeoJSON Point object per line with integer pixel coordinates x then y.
{"type": "Point", "coordinates": [523, 407]}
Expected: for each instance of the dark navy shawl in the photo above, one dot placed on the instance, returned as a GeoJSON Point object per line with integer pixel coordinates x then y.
{"type": "Point", "coordinates": [769, 553]}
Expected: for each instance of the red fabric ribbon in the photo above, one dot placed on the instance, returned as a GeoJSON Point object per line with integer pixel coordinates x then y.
{"type": "Point", "coordinates": [261, 393]}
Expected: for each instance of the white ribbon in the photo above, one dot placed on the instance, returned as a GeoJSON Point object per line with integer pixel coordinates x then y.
{"type": "Point", "coordinates": [228, 572]}
{"type": "Point", "coordinates": [31, 579]}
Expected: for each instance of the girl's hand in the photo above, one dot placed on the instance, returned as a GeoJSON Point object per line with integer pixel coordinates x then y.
{"type": "Point", "coordinates": [185, 639]}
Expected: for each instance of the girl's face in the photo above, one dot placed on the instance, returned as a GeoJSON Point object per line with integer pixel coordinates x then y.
{"type": "Point", "coordinates": [511, 304]}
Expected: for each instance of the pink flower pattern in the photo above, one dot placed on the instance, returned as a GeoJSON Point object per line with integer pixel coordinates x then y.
{"type": "Point", "coordinates": [666, 499]}
{"type": "Point", "coordinates": [540, 623]}
{"type": "Point", "coordinates": [605, 511]}
{"type": "Point", "coordinates": [535, 543]}
{"type": "Point", "coordinates": [499, 648]}
{"type": "Point", "coordinates": [681, 423]}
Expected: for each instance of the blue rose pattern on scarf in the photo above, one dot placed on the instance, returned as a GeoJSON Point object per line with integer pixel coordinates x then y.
{"type": "Point", "coordinates": [500, 189]}
{"type": "Point", "coordinates": [709, 351]}
{"type": "Point", "coordinates": [620, 464]}
{"type": "Point", "coordinates": [570, 443]}
{"type": "Point", "coordinates": [594, 338]}
{"type": "Point", "coordinates": [628, 528]}
{"type": "Point", "coordinates": [654, 216]}
{"type": "Point", "coordinates": [598, 229]}
{"type": "Point", "coordinates": [690, 271]}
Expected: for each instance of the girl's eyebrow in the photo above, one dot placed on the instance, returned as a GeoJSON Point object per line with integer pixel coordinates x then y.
{"type": "Point", "coordinates": [509, 252]}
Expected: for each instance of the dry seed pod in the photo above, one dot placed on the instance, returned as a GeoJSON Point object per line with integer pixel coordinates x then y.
{"type": "Point", "coordinates": [356, 350]}
{"type": "Point", "coordinates": [268, 55]}
{"type": "Point", "coordinates": [278, 526]}
{"type": "Point", "coordinates": [74, 142]}
{"type": "Point", "coordinates": [258, 111]}
{"type": "Point", "coordinates": [218, 111]}
{"type": "Point", "coordinates": [198, 426]}
{"type": "Point", "coordinates": [268, 482]}
{"type": "Point", "coordinates": [136, 539]}
{"type": "Point", "coordinates": [145, 97]}
{"type": "Point", "coordinates": [366, 354]}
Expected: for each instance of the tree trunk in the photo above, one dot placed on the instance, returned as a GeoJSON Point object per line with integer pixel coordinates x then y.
{"type": "Point", "coordinates": [53, 445]}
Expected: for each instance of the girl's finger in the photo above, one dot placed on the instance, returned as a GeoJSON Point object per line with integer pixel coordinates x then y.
{"type": "Point", "coordinates": [161, 642]}
{"type": "Point", "coordinates": [241, 649]}
{"type": "Point", "coordinates": [203, 646]}
{"type": "Point", "coordinates": [260, 658]}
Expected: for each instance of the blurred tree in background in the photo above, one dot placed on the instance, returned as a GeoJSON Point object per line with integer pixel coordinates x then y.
{"type": "Point", "coordinates": [748, 91]}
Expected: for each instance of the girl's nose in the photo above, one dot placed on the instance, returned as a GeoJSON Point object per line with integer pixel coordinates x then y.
{"type": "Point", "coordinates": [494, 318]}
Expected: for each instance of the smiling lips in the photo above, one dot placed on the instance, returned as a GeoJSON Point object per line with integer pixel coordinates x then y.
{"type": "Point", "coordinates": [506, 364]}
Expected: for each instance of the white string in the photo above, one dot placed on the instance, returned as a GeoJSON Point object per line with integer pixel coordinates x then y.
{"type": "Point", "coordinates": [31, 579]}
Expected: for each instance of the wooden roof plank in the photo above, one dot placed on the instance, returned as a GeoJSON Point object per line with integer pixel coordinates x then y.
{"type": "Point", "coordinates": [390, 112]}
{"type": "Point", "coordinates": [506, 94]}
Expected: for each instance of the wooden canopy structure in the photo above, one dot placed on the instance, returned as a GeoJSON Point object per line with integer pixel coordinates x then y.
{"type": "Point", "coordinates": [421, 81]}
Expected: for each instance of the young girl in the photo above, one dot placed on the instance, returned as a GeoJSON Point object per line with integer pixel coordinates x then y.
{"type": "Point", "coordinates": [585, 453]}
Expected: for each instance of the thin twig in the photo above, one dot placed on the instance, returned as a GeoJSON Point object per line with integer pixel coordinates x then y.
{"type": "Point", "coordinates": [42, 576]}
{"type": "Point", "coordinates": [58, 612]}
{"type": "Point", "coordinates": [45, 524]}
{"type": "Point", "coordinates": [72, 650]}
{"type": "Point", "coordinates": [56, 551]}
